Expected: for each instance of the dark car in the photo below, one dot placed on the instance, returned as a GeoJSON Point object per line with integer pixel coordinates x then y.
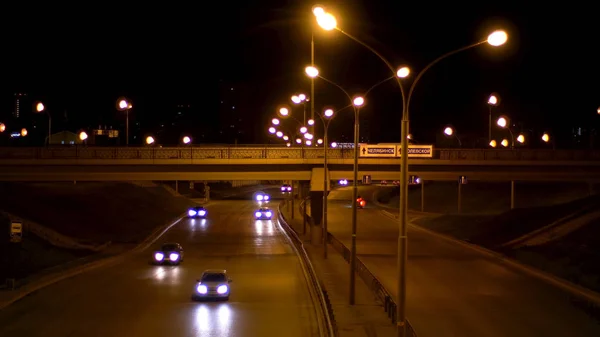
{"type": "Point", "coordinates": [214, 283]}
{"type": "Point", "coordinates": [169, 253]}
{"type": "Point", "coordinates": [263, 213]}
{"type": "Point", "coordinates": [197, 212]}
{"type": "Point", "coordinates": [286, 188]}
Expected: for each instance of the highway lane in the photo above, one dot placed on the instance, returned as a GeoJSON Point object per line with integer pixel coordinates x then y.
{"type": "Point", "coordinates": [269, 296]}
{"type": "Point", "coordinates": [454, 291]}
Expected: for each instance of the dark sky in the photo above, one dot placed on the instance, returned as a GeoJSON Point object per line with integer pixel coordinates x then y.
{"type": "Point", "coordinates": [83, 58]}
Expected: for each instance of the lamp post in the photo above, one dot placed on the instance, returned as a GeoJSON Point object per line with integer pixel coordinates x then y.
{"type": "Point", "coordinates": [328, 22]}
{"type": "Point", "coordinates": [83, 136]}
{"type": "Point", "coordinates": [493, 101]}
{"type": "Point", "coordinates": [39, 108]}
{"type": "Point", "coordinates": [356, 102]}
{"type": "Point", "coordinates": [449, 131]}
{"type": "Point", "coordinates": [301, 99]}
{"type": "Point", "coordinates": [326, 118]}
{"type": "Point", "coordinates": [124, 104]}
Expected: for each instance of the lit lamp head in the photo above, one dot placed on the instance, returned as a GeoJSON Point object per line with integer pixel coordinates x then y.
{"type": "Point", "coordinates": [497, 38]}
{"type": "Point", "coordinates": [39, 107]}
{"type": "Point", "coordinates": [279, 134]}
{"type": "Point", "coordinates": [286, 138]}
{"type": "Point", "coordinates": [311, 122]}
{"type": "Point", "coordinates": [149, 140]}
{"type": "Point", "coordinates": [288, 144]}
{"type": "Point", "coordinates": [24, 132]}
{"type": "Point", "coordinates": [545, 137]}
{"type": "Point", "coordinates": [308, 142]}
{"type": "Point", "coordinates": [403, 72]}
{"type": "Point", "coordinates": [318, 10]}
{"type": "Point", "coordinates": [303, 129]}
{"type": "Point", "coordinates": [2, 127]}
{"type": "Point", "coordinates": [311, 71]}
{"type": "Point", "coordinates": [358, 101]}
{"type": "Point", "coordinates": [319, 141]}
{"type": "Point", "coordinates": [123, 104]}
{"type": "Point", "coordinates": [502, 122]}
{"type": "Point", "coordinates": [83, 136]}
{"type": "Point", "coordinates": [298, 141]}
{"type": "Point", "coordinates": [493, 143]}
{"type": "Point", "coordinates": [493, 100]}
{"type": "Point", "coordinates": [326, 21]}
{"type": "Point", "coordinates": [504, 142]}
{"type": "Point", "coordinates": [275, 121]}
{"type": "Point", "coordinates": [334, 144]}
{"type": "Point", "coordinates": [186, 140]}
{"type": "Point", "coordinates": [521, 138]}
{"type": "Point", "coordinates": [328, 113]}
{"type": "Point", "coordinates": [283, 112]}
{"type": "Point", "coordinates": [448, 131]}
{"type": "Point", "coordinates": [272, 130]}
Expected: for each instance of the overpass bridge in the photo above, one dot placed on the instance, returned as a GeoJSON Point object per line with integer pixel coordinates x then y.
{"type": "Point", "coordinates": [257, 162]}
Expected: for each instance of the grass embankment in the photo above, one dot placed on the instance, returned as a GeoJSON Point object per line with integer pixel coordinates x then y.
{"type": "Point", "coordinates": [485, 197]}
{"type": "Point", "coordinates": [91, 212]}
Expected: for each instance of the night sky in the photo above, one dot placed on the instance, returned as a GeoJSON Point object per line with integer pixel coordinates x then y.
{"type": "Point", "coordinates": [81, 59]}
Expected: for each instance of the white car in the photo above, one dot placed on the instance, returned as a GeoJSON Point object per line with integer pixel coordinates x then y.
{"type": "Point", "coordinates": [214, 283]}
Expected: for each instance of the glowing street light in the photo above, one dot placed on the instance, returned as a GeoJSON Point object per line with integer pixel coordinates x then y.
{"type": "Point", "coordinates": [328, 113]}
{"type": "Point", "coordinates": [493, 101]}
{"type": "Point", "coordinates": [2, 127]}
{"type": "Point", "coordinates": [318, 10]}
{"type": "Point", "coordinates": [502, 122]}
{"type": "Point", "coordinates": [311, 122]}
{"type": "Point", "coordinates": [493, 143]}
{"type": "Point", "coordinates": [149, 140]}
{"type": "Point", "coordinates": [303, 129]}
{"type": "Point", "coordinates": [284, 112]}
{"type": "Point", "coordinates": [327, 21]}
{"type": "Point", "coordinates": [403, 72]}
{"type": "Point", "coordinates": [358, 101]}
{"type": "Point", "coordinates": [124, 104]}
{"type": "Point", "coordinates": [319, 141]}
{"type": "Point", "coordinates": [334, 145]}
{"type": "Point", "coordinates": [186, 140]}
{"type": "Point", "coordinates": [311, 71]}
{"type": "Point", "coordinates": [504, 142]}
{"type": "Point", "coordinates": [272, 130]}
{"type": "Point", "coordinates": [24, 132]}
{"type": "Point", "coordinates": [275, 121]}
{"type": "Point", "coordinates": [521, 138]}
{"type": "Point", "coordinates": [288, 144]}
{"type": "Point", "coordinates": [308, 142]}
{"type": "Point", "coordinates": [83, 136]}
{"type": "Point", "coordinates": [298, 141]}
{"type": "Point", "coordinates": [286, 138]}
{"type": "Point", "coordinates": [39, 107]}
{"type": "Point", "coordinates": [545, 137]}
{"type": "Point", "coordinates": [449, 131]}
{"type": "Point", "coordinates": [497, 38]}
{"type": "Point", "coordinates": [279, 134]}
{"type": "Point", "coordinates": [296, 99]}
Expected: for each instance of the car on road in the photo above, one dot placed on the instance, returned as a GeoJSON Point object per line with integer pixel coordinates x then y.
{"type": "Point", "coordinates": [214, 283]}
{"type": "Point", "coordinates": [262, 197]}
{"type": "Point", "coordinates": [197, 212]}
{"type": "Point", "coordinates": [263, 213]}
{"type": "Point", "coordinates": [169, 253]}
{"type": "Point", "coordinates": [286, 188]}
{"type": "Point", "coordinates": [360, 202]}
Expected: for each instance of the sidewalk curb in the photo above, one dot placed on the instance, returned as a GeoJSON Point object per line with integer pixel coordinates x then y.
{"type": "Point", "coordinates": [59, 276]}
{"type": "Point", "coordinates": [572, 288]}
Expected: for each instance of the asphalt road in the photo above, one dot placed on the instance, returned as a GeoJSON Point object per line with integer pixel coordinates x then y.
{"type": "Point", "coordinates": [269, 296]}
{"type": "Point", "coordinates": [454, 291]}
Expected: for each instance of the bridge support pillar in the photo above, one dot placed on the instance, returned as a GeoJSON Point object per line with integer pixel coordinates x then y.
{"type": "Point", "coordinates": [512, 194]}
{"type": "Point", "coordinates": [316, 213]}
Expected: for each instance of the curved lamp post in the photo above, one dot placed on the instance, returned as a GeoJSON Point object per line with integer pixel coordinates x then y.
{"type": "Point", "coordinates": [449, 131]}
{"type": "Point", "coordinates": [41, 108]}
{"type": "Point", "coordinates": [123, 104]}
{"type": "Point", "coordinates": [493, 101]}
{"type": "Point", "coordinates": [328, 22]}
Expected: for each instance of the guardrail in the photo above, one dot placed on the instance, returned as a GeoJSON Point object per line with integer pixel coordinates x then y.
{"type": "Point", "coordinates": [389, 305]}
{"type": "Point", "coordinates": [269, 152]}
{"type": "Point", "coordinates": [327, 326]}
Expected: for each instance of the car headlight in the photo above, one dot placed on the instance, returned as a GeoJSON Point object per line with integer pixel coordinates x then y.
{"type": "Point", "coordinates": [159, 256]}
{"type": "Point", "coordinates": [259, 197]}
{"type": "Point", "coordinates": [282, 188]}
{"type": "Point", "coordinates": [173, 256]}
{"type": "Point", "coordinates": [266, 197]}
{"type": "Point", "coordinates": [222, 289]}
{"type": "Point", "coordinates": [289, 189]}
{"type": "Point", "coordinates": [258, 214]}
{"type": "Point", "coordinates": [268, 214]}
{"type": "Point", "coordinates": [202, 213]}
{"type": "Point", "coordinates": [201, 289]}
{"type": "Point", "coordinates": [191, 212]}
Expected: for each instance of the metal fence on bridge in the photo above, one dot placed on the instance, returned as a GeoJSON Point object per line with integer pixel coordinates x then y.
{"type": "Point", "coordinates": [270, 152]}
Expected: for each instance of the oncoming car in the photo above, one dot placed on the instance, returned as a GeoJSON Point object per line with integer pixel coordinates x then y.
{"type": "Point", "coordinates": [286, 188]}
{"type": "Point", "coordinates": [263, 213]}
{"type": "Point", "coordinates": [197, 212]}
{"type": "Point", "coordinates": [214, 283]}
{"type": "Point", "coordinates": [261, 197]}
{"type": "Point", "coordinates": [169, 253]}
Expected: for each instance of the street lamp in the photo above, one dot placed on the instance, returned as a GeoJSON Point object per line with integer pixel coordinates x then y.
{"type": "Point", "coordinates": [326, 118]}
{"type": "Point", "coordinates": [503, 123]}
{"type": "Point", "coordinates": [493, 143]}
{"type": "Point", "coordinates": [2, 127]}
{"type": "Point", "coordinates": [83, 136]}
{"type": "Point", "coordinates": [334, 145]}
{"type": "Point", "coordinates": [301, 99]}
{"type": "Point", "coordinates": [546, 137]}
{"type": "Point", "coordinates": [123, 104]}
{"type": "Point", "coordinates": [303, 129]}
{"type": "Point", "coordinates": [275, 121]}
{"type": "Point", "coordinates": [149, 140]}
{"type": "Point", "coordinates": [288, 144]}
{"type": "Point", "coordinates": [328, 22]}
{"type": "Point", "coordinates": [279, 134]}
{"type": "Point", "coordinates": [504, 142]}
{"type": "Point", "coordinates": [298, 141]}
{"type": "Point", "coordinates": [521, 138]}
{"type": "Point", "coordinates": [186, 140]}
{"type": "Point", "coordinates": [449, 131]}
{"type": "Point", "coordinates": [24, 132]}
{"type": "Point", "coordinates": [40, 108]}
{"type": "Point", "coordinates": [493, 101]}
{"type": "Point", "coordinates": [272, 130]}
{"type": "Point", "coordinates": [355, 102]}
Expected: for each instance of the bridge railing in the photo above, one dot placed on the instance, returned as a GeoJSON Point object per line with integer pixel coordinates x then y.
{"type": "Point", "coordinates": [269, 152]}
